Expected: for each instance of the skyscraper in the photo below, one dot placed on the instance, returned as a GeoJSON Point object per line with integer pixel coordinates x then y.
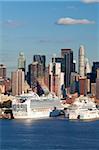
{"type": "Point", "coordinates": [74, 65]}
{"type": "Point", "coordinates": [64, 51]}
{"type": "Point", "coordinates": [68, 67]}
{"type": "Point", "coordinates": [35, 71]}
{"type": "Point", "coordinates": [83, 85]}
{"type": "Point", "coordinates": [87, 66]}
{"type": "Point", "coordinates": [93, 75]}
{"type": "Point", "coordinates": [41, 59]}
{"type": "Point", "coordinates": [17, 82]}
{"type": "Point", "coordinates": [73, 82]}
{"type": "Point", "coordinates": [2, 71]}
{"type": "Point", "coordinates": [97, 84]}
{"type": "Point", "coordinates": [56, 76]}
{"type": "Point", "coordinates": [98, 73]}
{"type": "Point", "coordinates": [95, 67]}
{"type": "Point", "coordinates": [22, 62]}
{"type": "Point", "coordinates": [81, 65]}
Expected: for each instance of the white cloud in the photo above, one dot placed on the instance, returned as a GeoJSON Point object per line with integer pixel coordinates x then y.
{"type": "Point", "coordinates": [71, 21]}
{"type": "Point", "coordinates": [90, 1]}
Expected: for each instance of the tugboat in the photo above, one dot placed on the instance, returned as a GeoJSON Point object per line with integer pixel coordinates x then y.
{"type": "Point", "coordinates": [56, 113]}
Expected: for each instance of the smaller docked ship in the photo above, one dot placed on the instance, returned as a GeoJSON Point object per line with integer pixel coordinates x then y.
{"type": "Point", "coordinates": [30, 105]}
{"type": "Point", "coordinates": [83, 108]}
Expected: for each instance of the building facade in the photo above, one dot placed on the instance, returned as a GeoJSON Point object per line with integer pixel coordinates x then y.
{"type": "Point", "coordinates": [2, 71]}
{"type": "Point", "coordinates": [97, 84]}
{"type": "Point", "coordinates": [81, 65]}
{"type": "Point", "coordinates": [56, 79]}
{"type": "Point", "coordinates": [68, 65]}
{"type": "Point", "coordinates": [17, 78]}
{"type": "Point", "coordinates": [83, 85]}
{"type": "Point", "coordinates": [35, 70]}
{"type": "Point", "coordinates": [22, 62]}
{"type": "Point", "coordinates": [87, 66]}
{"type": "Point", "coordinates": [41, 59]}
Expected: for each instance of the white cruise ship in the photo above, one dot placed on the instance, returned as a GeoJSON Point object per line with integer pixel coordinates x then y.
{"type": "Point", "coordinates": [30, 105]}
{"type": "Point", "coordinates": [83, 108]}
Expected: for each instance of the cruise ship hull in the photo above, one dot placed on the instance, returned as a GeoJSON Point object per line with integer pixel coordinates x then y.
{"type": "Point", "coordinates": [31, 106]}
{"type": "Point", "coordinates": [33, 115]}
{"type": "Point", "coordinates": [83, 117]}
{"type": "Point", "coordinates": [83, 109]}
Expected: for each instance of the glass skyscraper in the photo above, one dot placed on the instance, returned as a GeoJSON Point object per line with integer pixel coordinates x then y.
{"type": "Point", "coordinates": [41, 59]}
{"type": "Point", "coordinates": [22, 62]}
{"type": "Point", "coordinates": [68, 66]}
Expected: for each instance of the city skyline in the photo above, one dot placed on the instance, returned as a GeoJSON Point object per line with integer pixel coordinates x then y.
{"type": "Point", "coordinates": [46, 28]}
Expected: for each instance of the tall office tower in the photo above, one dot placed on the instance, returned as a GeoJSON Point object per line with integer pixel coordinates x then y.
{"type": "Point", "coordinates": [73, 82]}
{"type": "Point", "coordinates": [97, 84]}
{"type": "Point", "coordinates": [35, 72]}
{"type": "Point", "coordinates": [74, 65]}
{"type": "Point", "coordinates": [87, 66]}
{"type": "Point", "coordinates": [7, 84]}
{"type": "Point", "coordinates": [41, 59]}
{"type": "Point", "coordinates": [51, 77]}
{"type": "Point", "coordinates": [93, 75]}
{"type": "Point", "coordinates": [56, 78]}
{"type": "Point", "coordinates": [64, 51]}
{"type": "Point", "coordinates": [17, 82]}
{"type": "Point", "coordinates": [83, 85]}
{"type": "Point", "coordinates": [67, 54]}
{"type": "Point", "coordinates": [57, 59]}
{"type": "Point", "coordinates": [22, 62]}
{"type": "Point", "coordinates": [94, 68]}
{"type": "Point", "coordinates": [2, 71]}
{"type": "Point", "coordinates": [81, 65]}
{"type": "Point", "coordinates": [98, 73]}
{"type": "Point", "coordinates": [93, 89]}
{"type": "Point", "coordinates": [46, 78]}
{"type": "Point", "coordinates": [88, 86]}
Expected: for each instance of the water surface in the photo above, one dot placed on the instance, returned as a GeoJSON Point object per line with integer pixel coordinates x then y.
{"type": "Point", "coordinates": [49, 134]}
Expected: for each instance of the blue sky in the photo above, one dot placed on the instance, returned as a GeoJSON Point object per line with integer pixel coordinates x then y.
{"type": "Point", "coordinates": [46, 27]}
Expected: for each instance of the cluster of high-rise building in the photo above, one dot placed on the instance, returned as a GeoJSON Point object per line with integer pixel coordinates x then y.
{"type": "Point", "coordinates": [5, 83]}
{"type": "Point", "coordinates": [60, 76]}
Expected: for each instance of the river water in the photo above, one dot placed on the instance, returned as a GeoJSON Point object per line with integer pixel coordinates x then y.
{"type": "Point", "coordinates": [49, 134]}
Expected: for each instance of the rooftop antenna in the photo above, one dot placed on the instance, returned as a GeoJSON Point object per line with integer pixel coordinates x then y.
{"type": "Point", "coordinates": [54, 56]}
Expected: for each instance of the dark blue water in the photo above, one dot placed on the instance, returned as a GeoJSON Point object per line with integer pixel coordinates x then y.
{"type": "Point", "coordinates": [50, 134]}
